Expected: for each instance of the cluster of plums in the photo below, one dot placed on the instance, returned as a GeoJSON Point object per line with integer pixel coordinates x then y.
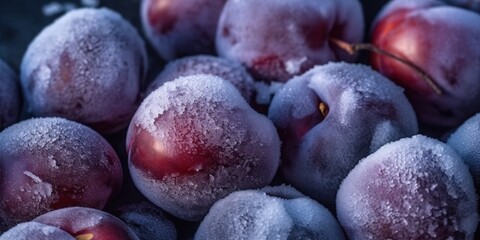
{"type": "Point", "coordinates": [340, 151]}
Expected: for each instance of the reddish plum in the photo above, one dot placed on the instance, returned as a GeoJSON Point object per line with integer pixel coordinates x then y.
{"type": "Point", "coordinates": [330, 118]}
{"type": "Point", "coordinates": [195, 140]}
{"type": "Point", "coordinates": [9, 96]}
{"type": "Point", "coordinates": [444, 42]}
{"type": "Point", "coordinates": [51, 163]}
{"type": "Point", "coordinates": [414, 188]}
{"type": "Point", "coordinates": [87, 66]}
{"type": "Point", "coordinates": [277, 39]}
{"type": "Point", "coordinates": [88, 223]}
{"type": "Point", "coordinates": [209, 65]}
{"type": "Point", "coordinates": [178, 28]}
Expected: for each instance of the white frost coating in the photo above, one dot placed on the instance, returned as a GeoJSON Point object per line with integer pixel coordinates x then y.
{"type": "Point", "coordinates": [255, 214]}
{"type": "Point", "coordinates": [466, 141]}
{"type": "Point", "coordinates": [293, 66]}
{"type": "Point", "coordinates": [197, 114]}
{"type": "Point", "coordinates": [360, 101]}
{"type": "Point", "coordinates": [414, 188]}
{"type": "Point", "coordinates": [209, 65]}
{"type": "Point", "coordinates": [86, 66]}
{"type": "Point", "coordinates": [37, 231]}
{"type": "Point", "coordinates": [265, 91]}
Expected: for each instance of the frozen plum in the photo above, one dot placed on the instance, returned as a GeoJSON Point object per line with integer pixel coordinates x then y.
{"type": "Point", "coordinates": [147, 221]}
{"type": "Point", "coordinates": [88, 224]}
{"type": "Point", "coordinates": [87, 66]}
{"type": "Point", "coordinates": [330, 118]}
{"type": "Point", "coordinates": [10, 100]}
{"type": "Point", "coordinates": [466, 141]}
{"type": "Point", "coordinates": [51, 163]}
{"type": "Point", "coordinates": [279, 212]}
{"type": "Point", "coordinates": [35, 231]}
{"type": "Point", "coordinates": [204, 64]}
{"type": "Point", "coordinates": [277, 39]}
{"type": "Point", "coordinates": [414, 188]}
{"type": "Point", "coordinates": [179, 28]}
{"type": "Point", "coordinates": [469, 4]}
{"type": "Point", "coordinates": [195, 140]}
{"type": "Point", "coordinates": [444, 42]}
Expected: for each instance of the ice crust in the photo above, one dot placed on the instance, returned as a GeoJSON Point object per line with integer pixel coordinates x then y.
{"type": "Point", "coordinates": [148, 221]}
{"type": "Point", "coordinates": [9, 96]}
{"type": "Point", "coordinates": [365, 112]}
{"type": "Point", "coordinates": [269, 37]}
{"type": "Point", "coordinates": [59, 153]}
{"type": "Point", "coordinates": [261, 214]}
{"type": "Point", "coordinates": [86, 66]}
{"type": "Point", "coordinates": [204, 64]}
{"type": "Point", "coordinates": [197, 114]}
{"type": "Point", "coordinates": [466, 141]}
{"type": "Point", "coordinates": [414, 188]}
{"type": "Point", "coordinates": [35, 231]}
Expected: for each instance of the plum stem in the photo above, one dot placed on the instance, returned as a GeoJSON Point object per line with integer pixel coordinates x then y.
{"type": "Point", "coordinates": [323, 109]}
{"type": "Point", "coordinates": [352, 48]}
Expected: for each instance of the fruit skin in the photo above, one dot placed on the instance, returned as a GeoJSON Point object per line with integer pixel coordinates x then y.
{"type": "Point", "coordinates": [279, 212]}
{"type": "Point", "coordinates": [36, 231]}
{"type": "Point", "coordinates": [468, 4]}
{"type": "Point", "coordinates": [365, 111]}
{"type": "Point", "coordinates": [195, 140]}
{"type": "Point", "coordinates": [443, 41]}
{"type": "Point", "coordinates": [278, 39]}
{"type": "Point", "coordinates": [414, 188]}
{"type": "Point", "coordinates": [90, 223]}
{"type": "Point", "coordinates": [209, 65]}
{"type": "Point", "coordinates": [10, 98]}
{"type": "Point", "coordinates": [51, 163]}
{"type": "Point", "coordinates": [87, 66]}
{"type": "Point", "coordinates": [179, 28]}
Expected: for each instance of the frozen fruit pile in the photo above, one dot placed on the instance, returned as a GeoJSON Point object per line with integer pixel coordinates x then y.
{"type": "Point", "coordinates": [266, 121]}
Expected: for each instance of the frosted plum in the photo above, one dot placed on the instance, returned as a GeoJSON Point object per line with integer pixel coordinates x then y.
{"type": "Point", "coordinates": [178, 28]}
{"type": "Point", "coordinates": [466, 141]}
{"type": "Point", "coordinates": [87, 66]}
{"type": "Point", "coordinates": [10, 101]}
{"type": "Point", "coordinates": [331, 117]}
{"type": "Point", "coordinates": [469, 4]}
{"type": "Point", "coordinates": [414, 188]}
{"type": "Point", "coordinates": [35, 231]}
{"type": "Point", "coordinates": [51, 163]}
{"type": "Point", "coordinates": [444, 42]}
{"type": "Point", "coordinates": [204, 64]}
{"type": "Point", "coordinates": [88, 223]}
{"type": "Point", "coordinates": [277, 39]}
{"type": "Point", "coordinates": [147, 221]}
{"type": "Point", "coordinates": [279, 212]}
{"type": "Point", "coordinates": [195, 140]}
